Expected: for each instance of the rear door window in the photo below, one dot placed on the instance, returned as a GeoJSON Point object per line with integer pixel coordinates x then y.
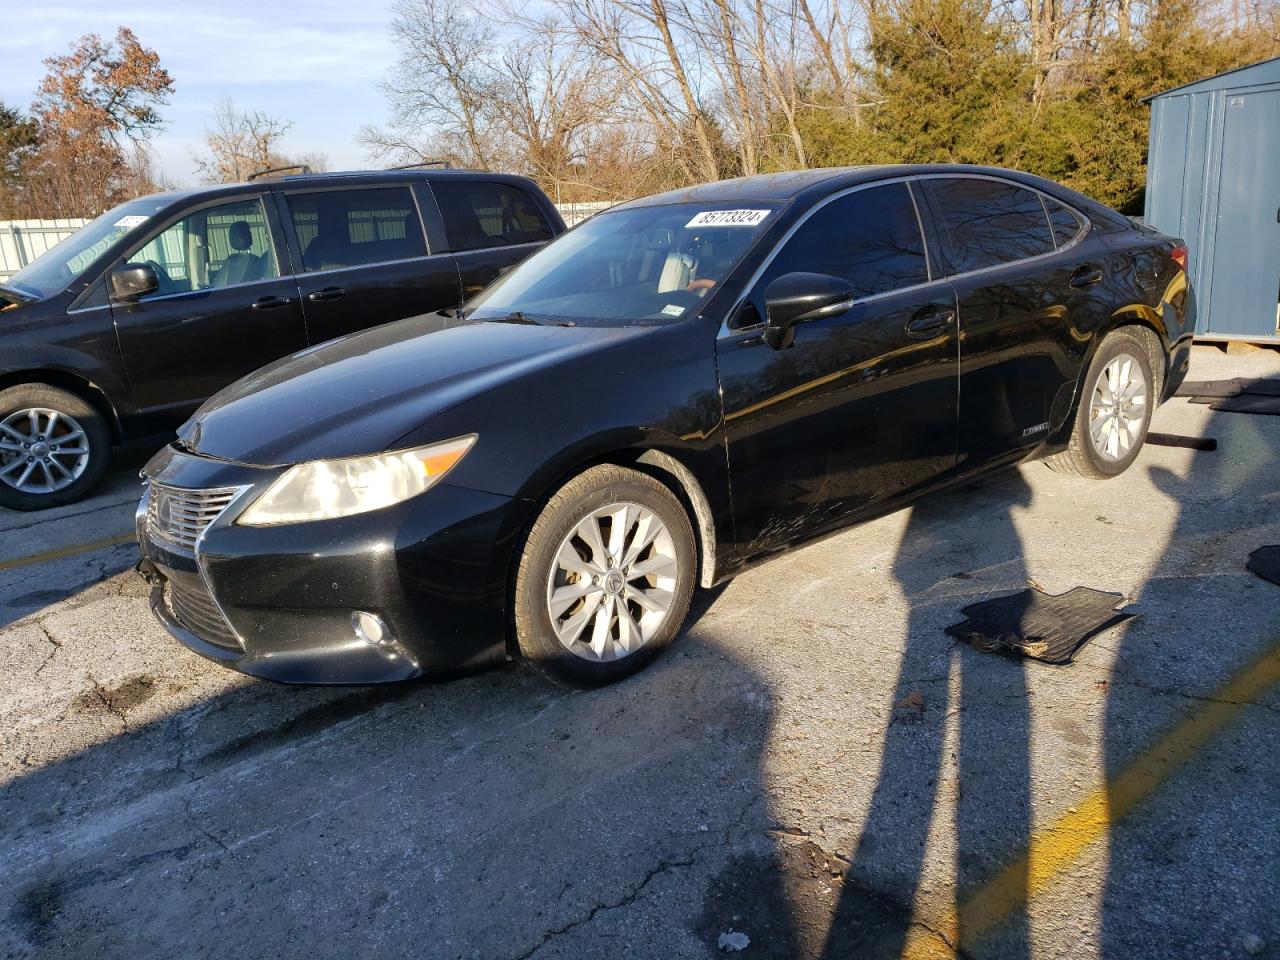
{"type": "Point", "coordinates": [870, 238]}
{"type": "Point", "coordinates": [478, 214]}
{"type": "Point", "coordinates": [352, 228]}
{"type": "Point", "coordinates": [985, 223]}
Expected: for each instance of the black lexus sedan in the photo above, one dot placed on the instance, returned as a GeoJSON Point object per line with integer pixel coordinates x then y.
{"type": "Point", "coordinates": [678, 388]}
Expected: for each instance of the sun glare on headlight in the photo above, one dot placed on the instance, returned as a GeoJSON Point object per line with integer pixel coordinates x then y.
{"type": "Point", "coordinates": [326, 489]}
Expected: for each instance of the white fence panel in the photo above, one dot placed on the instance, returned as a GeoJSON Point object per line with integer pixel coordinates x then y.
{"type": "Point", "coordinates": [21, 241]}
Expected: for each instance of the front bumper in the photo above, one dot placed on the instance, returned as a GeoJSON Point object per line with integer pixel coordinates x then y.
{"type": "Point", "coordinates": [277, 602]}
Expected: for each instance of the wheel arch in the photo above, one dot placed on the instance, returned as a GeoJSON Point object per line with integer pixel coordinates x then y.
{"type": "Point", "coordinates": [661, 464]}
{"type": "Point", "coordinates": [74, 383]}
{"type": "Point", "coordinates": [1147, 324]}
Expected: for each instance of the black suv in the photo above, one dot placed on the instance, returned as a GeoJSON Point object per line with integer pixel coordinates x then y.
{"type": "Point", "coordinates": [124, 328]}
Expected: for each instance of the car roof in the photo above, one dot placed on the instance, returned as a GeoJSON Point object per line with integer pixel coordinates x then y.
{"type": "Point", "coordinates": [333, 179]}
{"type": "Point", "coordinates": [815, 183]}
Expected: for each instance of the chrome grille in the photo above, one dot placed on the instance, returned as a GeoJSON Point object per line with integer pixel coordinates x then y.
{"type": "Point", "coordinates": [178, 516]}
{"type": "Point", "coordinates": [192, 604]}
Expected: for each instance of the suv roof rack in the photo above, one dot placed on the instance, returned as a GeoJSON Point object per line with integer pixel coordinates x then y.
{"type": "Point", "coordinates": [423, 164]}
{"type": "Point", "coordinates": [301, 168]}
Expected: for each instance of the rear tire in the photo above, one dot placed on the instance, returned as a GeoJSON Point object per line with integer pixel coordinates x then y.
{"type": "Point", "coordinates": [605, 578]}
{"type": "Point", "coordinates": [1113, 413]}
{"type": "Point", "coordinates": [54, 447]}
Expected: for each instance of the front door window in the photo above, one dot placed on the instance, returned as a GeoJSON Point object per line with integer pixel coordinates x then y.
{"type": "Point", "coordinates": [220, 246]}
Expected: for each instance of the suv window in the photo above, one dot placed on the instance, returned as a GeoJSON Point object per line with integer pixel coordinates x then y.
{"type": "Point", "coordinates": [1066, 225]}
{"type": "Point", "coordinates": [870, 238]}
{"type": "Point", "coordinates": [988, 222]}
{"type": "Point", "coordinates": [218, 246]}
{"type": "Point", "coordinates": [478, 214]}
{"type": "Point", "coordinates": [350, 228]}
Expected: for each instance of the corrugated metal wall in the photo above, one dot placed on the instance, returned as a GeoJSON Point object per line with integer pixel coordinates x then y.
{"type": "Point", "coordinates": [21, 241]}
{"type": "Point", "coordinates": [1213, 178]}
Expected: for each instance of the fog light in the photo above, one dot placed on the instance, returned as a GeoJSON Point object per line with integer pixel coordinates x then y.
{"type": "Point", "coordinates": [370, 628]}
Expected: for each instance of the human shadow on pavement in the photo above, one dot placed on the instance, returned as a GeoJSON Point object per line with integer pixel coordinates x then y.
{"type": "Point", "coordinates": [1192, 863]}
{"type": "Point", "coordinates": [957, 548]}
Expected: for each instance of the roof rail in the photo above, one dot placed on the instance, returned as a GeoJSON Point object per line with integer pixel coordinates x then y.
{"type": "Point", "coordinates": [422, 164]}
{"type": "Point", "coordinates": [298, 167]}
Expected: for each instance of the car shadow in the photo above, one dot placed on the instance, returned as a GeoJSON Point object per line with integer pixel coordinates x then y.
{"type": "Point", "coordinates": [43, 555]}
{"type": "Point", "coordinates": [483, 816]}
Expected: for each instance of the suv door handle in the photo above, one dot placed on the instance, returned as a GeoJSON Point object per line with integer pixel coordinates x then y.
{"type": "Point", "coordinates": [328, 293]}
{"type": "Point", "coordinates": [929, 322]}
{"type": "Point", "coordinates": [1085, 276]}
{"type": "Point", "coordinates": [270, 303]}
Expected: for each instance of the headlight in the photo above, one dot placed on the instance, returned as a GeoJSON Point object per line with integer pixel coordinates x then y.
{"type": "Point", "coordinates": [325, 489]}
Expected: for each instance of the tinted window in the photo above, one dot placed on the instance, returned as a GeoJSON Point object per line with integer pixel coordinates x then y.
{"type": "Point", "coordinates": [478, 215]}
{"type": "Point", "coordinates": [218, 246]}
{"type": "Point", "coordinates": [987, 222]}
{"type": "Point", "coordinates": [870, 238]}
{"type": "Point", "coordinates": [348, 228]}
{"type": "Point", "coordinates": [1064, 222]}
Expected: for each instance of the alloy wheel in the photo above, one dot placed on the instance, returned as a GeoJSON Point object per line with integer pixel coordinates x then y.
{"type": "Point", "coordinates": [1118, 407]}
{"type": "Point", "coordinates": [613, 582]}
{"type": "Point", "coordinates": [41, 450]}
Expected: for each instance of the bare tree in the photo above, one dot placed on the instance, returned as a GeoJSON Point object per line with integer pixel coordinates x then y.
{"type": "Point", "coordinates": [240, 143]}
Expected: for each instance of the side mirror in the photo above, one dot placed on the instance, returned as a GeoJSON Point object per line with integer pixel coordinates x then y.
{"type": "Point", "coordinates": [132, 281]}
{"type": "Point", "coordinates": [798, 297]}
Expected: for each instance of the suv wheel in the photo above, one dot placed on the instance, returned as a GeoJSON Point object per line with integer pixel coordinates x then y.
{"type": "Point", "coordinates": [54, 447]}
{"type": "Point", "coordinates": [1113, 414]}
{"type": "Point", "coordinates": [605, 578]}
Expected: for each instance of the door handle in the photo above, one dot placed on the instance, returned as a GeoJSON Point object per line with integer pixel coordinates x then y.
{"type": "Point", "coordinates": [328, 293]}
{"type": "Point", "coordinates": [929, 322]}
{"type": "Point", "coordinates": [270, 303]}
{"type": "Point", "coordinates": [1085, 276]}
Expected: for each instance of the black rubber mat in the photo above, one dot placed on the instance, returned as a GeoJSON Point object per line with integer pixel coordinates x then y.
{"type": "Point", "coordinates": [1248, 403]}
{"type": "Point", "coordinates": [1039, 625]}
{"type": "Point", "coordinates": [1265, 562]}
{"type": "Point", "coordinates": [1173, 440]}
{"type": "Point", "coordinates": [1234, 396]}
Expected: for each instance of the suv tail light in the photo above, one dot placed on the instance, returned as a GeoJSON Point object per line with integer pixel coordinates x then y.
{"type": "Point", "coordinates": [1179, 256]}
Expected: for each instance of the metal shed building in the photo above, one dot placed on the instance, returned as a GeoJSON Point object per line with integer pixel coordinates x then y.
{"type": "Point", "coordinates": [1213, 178]}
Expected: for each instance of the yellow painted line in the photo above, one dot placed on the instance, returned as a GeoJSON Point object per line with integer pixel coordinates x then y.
{"type": "Point", "coordinates": [1053, 850]}
{"type": "Point", "coordinates": [70, 551]}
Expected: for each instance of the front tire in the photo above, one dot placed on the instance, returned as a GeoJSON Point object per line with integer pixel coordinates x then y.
{"type": "Point", "coordinates": [605, 578]}
{"type": "Point", "coordinates": [54, 447]}
{"type": "Point", "coordinates": [1114, 412]}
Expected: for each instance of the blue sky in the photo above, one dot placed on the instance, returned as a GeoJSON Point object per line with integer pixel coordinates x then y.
{"type": "Point", "coordinates": [317, 63]}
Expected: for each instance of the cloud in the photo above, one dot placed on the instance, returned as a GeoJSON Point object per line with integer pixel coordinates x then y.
{"type": "Point", "coordinates": [316, 63]}
{"type": "Point", "coordinates": [237, 44]}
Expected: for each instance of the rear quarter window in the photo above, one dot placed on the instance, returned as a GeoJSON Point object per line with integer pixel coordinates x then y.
{"type": "Point", "coordinates": [1066, 225]}
{"type": "Point", "coordinates": [478, 215]}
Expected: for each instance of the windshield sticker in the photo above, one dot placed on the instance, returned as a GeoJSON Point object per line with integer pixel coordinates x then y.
{"type": "Point", "coordinates": [673, 310]}
{"type": "Point", "coordinates": [131, 221]}
{"type": "Point", "coordinates": [727, 218]}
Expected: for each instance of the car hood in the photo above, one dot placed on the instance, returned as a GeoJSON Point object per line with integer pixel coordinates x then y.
{"type": "Point", "coordinates": [361, 393]}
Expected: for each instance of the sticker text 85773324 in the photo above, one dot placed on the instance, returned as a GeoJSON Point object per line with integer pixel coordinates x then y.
{"type": "Point", "coordinates": [728, 218]}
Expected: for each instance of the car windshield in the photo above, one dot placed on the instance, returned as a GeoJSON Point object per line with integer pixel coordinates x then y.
{"type": "Point", "coordinates": [643, 265]}
{"type": "Point", "coordinates": [57, 267]}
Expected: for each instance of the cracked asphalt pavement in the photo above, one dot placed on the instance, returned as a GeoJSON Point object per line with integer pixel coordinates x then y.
{"type": "Point", "coordinates": [814, 763]}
